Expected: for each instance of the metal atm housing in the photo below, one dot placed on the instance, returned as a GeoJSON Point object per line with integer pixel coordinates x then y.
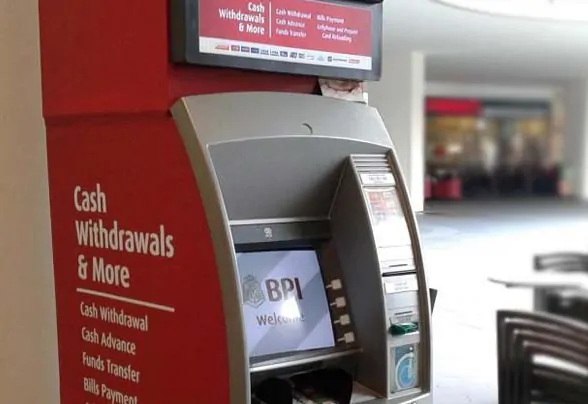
{"type": "Point", "coordinates": [288, 169]}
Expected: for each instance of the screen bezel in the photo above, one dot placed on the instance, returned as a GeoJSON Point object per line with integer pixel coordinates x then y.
{"type": "Point", "coordinates": [285, 245]}
{"type": "Point", "coordinates": [185, 46]}
{"type": "Point", "coordinates": [296, 245]}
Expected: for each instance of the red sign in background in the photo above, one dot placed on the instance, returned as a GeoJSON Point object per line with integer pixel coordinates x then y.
{"type": "Point", "coordinates": [299, 24]}
{"type": "Point", "coordinates": [450, 106]}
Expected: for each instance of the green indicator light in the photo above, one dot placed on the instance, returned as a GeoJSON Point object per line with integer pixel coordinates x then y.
{"type": "Point", "coordinates": [402, 329]}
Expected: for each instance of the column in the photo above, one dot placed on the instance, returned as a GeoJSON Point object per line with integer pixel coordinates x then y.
{"type": "Point", "coordinates": [575, 139]}
{"type": "Point", "coordinates": [400, 98]}
{"type": "Point", "coordinates": [28, 348]}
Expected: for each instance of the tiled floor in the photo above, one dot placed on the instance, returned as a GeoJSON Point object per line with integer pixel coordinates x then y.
{"type": "Point", "coordinates": [464, 244]}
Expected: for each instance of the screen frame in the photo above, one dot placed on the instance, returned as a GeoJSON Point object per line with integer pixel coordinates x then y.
{"type": "Point", "coordinates": [298, 245]}
{"type": "Point", "coordinates": [185, 46]}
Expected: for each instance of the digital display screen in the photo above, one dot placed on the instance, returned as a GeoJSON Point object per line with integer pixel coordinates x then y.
{"type": "Point", "coordinates": [285, 305]}
{"type": "Point", "coordinates": [388, 221]}
{"type": "Point", "coordinates": [321, 38]}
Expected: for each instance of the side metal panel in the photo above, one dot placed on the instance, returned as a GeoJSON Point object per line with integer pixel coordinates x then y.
{"type": "Point", "coordinates": [424, 297]}
{"type": "Point", "coordinates": [218, 223]}
{"type": "Point", "coordinates": [351, 227]}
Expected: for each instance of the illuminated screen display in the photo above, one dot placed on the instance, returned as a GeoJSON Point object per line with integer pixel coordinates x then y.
{"type": "Point", "coordinates": [388, 221]}
{"type": "Point", "coordinates": [309, 37]}
{"type": "Point", "coordinates": [285, 306]}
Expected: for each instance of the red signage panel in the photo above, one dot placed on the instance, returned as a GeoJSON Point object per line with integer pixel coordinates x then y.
{"type": "Point", "coordinates": [140, 316]}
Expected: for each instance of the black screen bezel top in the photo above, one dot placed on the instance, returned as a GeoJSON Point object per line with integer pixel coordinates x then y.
{"type": "Point", "coordinates": [185, 46]}
{"type": "Point", "coordinates": [286, 245]}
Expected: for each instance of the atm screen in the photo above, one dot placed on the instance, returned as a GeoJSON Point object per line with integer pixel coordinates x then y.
{"type": "Point", "coordinates": [285, 305]}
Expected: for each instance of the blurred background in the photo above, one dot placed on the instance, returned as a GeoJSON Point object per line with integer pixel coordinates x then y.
{"type": "Point", "coordinates": [487, 104]}
{"type": "Point", "coordinates": [504, 91]}
{"type": "Point", "coordinates": [493, 148]}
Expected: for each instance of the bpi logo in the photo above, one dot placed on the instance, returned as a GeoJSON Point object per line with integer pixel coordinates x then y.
{"type": "Point", "coordinates": [284, 289]}
{"type": "Point", "coordinates": [277, 290]}
{"type": "Point", "coordinates": [252, 292]}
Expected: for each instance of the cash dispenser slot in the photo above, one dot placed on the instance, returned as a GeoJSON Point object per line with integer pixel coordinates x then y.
{"type": "Point", "coordinates": [318, 251]}
{"type": "Point", "coordinates": [402, 304]}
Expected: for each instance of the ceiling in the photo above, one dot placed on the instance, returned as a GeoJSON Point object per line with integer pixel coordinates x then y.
{"type": "Point", "coordinates": [464, 46]}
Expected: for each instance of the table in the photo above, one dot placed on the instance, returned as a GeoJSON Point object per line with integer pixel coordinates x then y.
{"type": "Point", "coordinates": [543, 280]}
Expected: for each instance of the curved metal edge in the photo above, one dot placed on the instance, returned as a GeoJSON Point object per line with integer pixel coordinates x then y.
{"type": "Point", "coordinates": [374, 250]}
{"type": "Point", "coordinates": [218, 223]}
{"type": "Point", "coordinates": [424, 298]}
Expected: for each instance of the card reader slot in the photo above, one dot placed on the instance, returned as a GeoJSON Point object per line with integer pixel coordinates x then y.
{"type": "Point", "coordinates": [398, 273]}
{"type": "Point", "coordinates": [403, 265]}
{"type": "Point", "coordinates": [397, 269]}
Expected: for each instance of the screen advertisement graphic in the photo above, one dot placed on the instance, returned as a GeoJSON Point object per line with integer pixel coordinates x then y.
{"type": "Point", "coordinates": [308, 37]}
{"type": "Point", "coordinates": [137, 296]}
{"type": "Point", "coordinates": [309, 32]}
{"type": "Point", "coordinates": [285, 306]}
{"type": "Point", "coordinates": [389, 224]}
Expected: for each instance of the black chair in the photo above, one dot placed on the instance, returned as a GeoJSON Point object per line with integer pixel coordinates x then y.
{"type": "Point", "coordinates": [552, 382]}
{"type": "Point", "coordinates": [559, 301]}
{"type": "Point", "coordinates": [524, 338]}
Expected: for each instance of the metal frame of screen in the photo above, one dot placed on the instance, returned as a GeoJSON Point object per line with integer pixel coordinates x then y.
{"type": "Point", "coordinates": [185, 46]}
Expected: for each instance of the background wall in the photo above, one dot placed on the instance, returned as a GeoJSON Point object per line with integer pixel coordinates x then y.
{"type": "Point", "coordinates": [400, 98]}
{"type": "Point", "coordinates": [575, 103]}
{"type": "Point", "coordinates": [28, 355]}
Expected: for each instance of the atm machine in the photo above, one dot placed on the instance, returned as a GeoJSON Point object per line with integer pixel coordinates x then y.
{"type": "Point", "coordinates": [246, 248]}
{"type": "Point", "coordinates": [323, 286]}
